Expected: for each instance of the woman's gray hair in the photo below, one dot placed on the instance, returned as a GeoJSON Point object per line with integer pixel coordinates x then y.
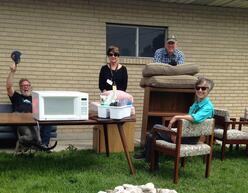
{"type": "Point", "coordinates": [202, 80]}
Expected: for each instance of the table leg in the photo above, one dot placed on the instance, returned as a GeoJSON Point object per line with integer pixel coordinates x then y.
{"type": "Point", "coordinates": [124, 144]}
{"type": "Point", "coordinates": [105, 129]}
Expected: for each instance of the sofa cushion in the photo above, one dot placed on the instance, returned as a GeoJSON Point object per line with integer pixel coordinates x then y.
{"type": "Point", "coordinates": [157, 69]}
{"type": "Point", "coordinates": [8, 135]}
{"type": "Point", "coordinates": [6, 108]}
{"type": "Point", "coordinates": [7, 129]}
{"type": "Point", "coordinates": [180, 81]}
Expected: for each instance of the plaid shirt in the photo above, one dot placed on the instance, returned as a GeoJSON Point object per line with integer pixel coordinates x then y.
{"type": "Point", "coordinates": [161, 56]}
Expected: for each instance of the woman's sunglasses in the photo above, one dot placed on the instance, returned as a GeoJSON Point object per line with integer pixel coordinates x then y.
{"type": "Point", "coordinates": [203, 88]}
{"type": "Point", "coordinates": [114, 54]}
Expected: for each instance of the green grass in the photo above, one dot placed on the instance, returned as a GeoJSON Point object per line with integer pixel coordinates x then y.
{"type": "Point", "coordinates": [84, 171]}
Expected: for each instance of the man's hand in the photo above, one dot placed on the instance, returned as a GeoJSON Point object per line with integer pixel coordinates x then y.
{"type": "Point", "coordinates": [13, 67]}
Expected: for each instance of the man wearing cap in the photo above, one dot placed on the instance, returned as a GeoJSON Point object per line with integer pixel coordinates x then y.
{"type": "Point", "coordinates": [169, 54]}
{"type": "Point", "coordinates": [22, 103]}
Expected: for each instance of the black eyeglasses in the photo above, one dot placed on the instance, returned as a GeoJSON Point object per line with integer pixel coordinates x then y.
{"type": "Point", "coordinates": [114, 54]}
{"type": "Point", "coordinates": [203, 88]}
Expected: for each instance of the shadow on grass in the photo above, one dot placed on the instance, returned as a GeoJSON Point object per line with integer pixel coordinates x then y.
{"type": "Point", "coordinates": [64, 160]}
{"type": "Point", "coordinates": [88, 160]}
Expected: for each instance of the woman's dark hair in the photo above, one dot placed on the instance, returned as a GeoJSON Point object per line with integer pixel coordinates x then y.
{"type": "Point", "coordinates": [203, 80]}
{"type": "Point", "coordinates": [113, 49]}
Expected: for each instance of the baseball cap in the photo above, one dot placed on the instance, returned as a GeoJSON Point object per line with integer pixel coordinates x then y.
{"type": "Point", "coordinates": [171, 39]}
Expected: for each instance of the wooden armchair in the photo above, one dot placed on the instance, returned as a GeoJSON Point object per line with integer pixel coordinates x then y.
{"type": "Point", "coordinates": [229, 131]}
{"type": "Point", "coordinates": [178, 150]}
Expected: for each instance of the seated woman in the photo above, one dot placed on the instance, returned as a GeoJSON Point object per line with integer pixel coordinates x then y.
{"type": "Point", "coordinates": [113, 76]}
{"type": "Point", "coordinates": [201, 110]}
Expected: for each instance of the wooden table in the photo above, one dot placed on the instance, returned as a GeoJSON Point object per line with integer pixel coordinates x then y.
{"type": "Point", "coordinates": [18, 119]}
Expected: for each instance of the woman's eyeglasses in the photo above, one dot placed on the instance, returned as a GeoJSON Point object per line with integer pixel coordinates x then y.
{"type": "Point", "coordinates": [114, 54]}
{"type": "Point", "coordinates": [203, 88]}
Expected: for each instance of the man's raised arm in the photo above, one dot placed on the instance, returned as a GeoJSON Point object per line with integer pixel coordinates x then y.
{"type": "Point", "coordinates": [9, 81]}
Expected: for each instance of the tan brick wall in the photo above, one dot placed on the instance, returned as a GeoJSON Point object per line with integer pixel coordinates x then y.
{"type": "Point", "coordinates": [63, 45]}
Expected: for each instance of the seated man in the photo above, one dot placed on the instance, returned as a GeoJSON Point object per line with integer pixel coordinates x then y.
{"type": "Point", "coordinates": [22, 103]}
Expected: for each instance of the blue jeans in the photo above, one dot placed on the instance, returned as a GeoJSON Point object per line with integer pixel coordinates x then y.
{"type": "Point", "coordinates": [45, 134]}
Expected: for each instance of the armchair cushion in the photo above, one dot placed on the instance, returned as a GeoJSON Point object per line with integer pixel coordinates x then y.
{"type": "Point", "coordinates": [232, 134]}
{"type": "Point", "coordinates": [185, 149]}
{"type": "Point", "coordinates": [190, 129]}
{"type": "Point", "coordinates": [223, 113]}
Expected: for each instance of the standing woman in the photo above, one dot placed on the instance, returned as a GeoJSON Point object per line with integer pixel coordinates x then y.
{"type": "Point", "coordinates": [113, 75]}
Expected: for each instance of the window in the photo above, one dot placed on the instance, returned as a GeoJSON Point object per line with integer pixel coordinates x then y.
{"type": "Point", "coordinates": [139, 41]}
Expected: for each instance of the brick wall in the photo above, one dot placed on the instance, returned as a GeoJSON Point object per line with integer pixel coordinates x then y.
{"type": "Point", "coordinates": [63, 45]}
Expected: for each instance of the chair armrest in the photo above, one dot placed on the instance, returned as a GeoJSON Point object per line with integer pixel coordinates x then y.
{"type": "Point", "coordinates": [175, 135]}
{"type": "Point", "coordinates": [235, 123]}
{"type": "Point", "coordinates": [162, 129]}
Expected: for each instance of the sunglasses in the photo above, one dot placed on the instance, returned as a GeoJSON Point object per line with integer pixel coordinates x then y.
{"type": "Point", "coordinates": [203, 88]}
{"type": "Point", "coordinates": [114, 54]}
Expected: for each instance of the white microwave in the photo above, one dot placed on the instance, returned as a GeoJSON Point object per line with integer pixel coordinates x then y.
{"type": "Point", "coordinates": [60, 105]}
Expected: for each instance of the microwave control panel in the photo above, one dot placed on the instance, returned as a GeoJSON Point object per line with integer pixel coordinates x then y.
{"type": "Point", "coordinates": [84, 106]}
